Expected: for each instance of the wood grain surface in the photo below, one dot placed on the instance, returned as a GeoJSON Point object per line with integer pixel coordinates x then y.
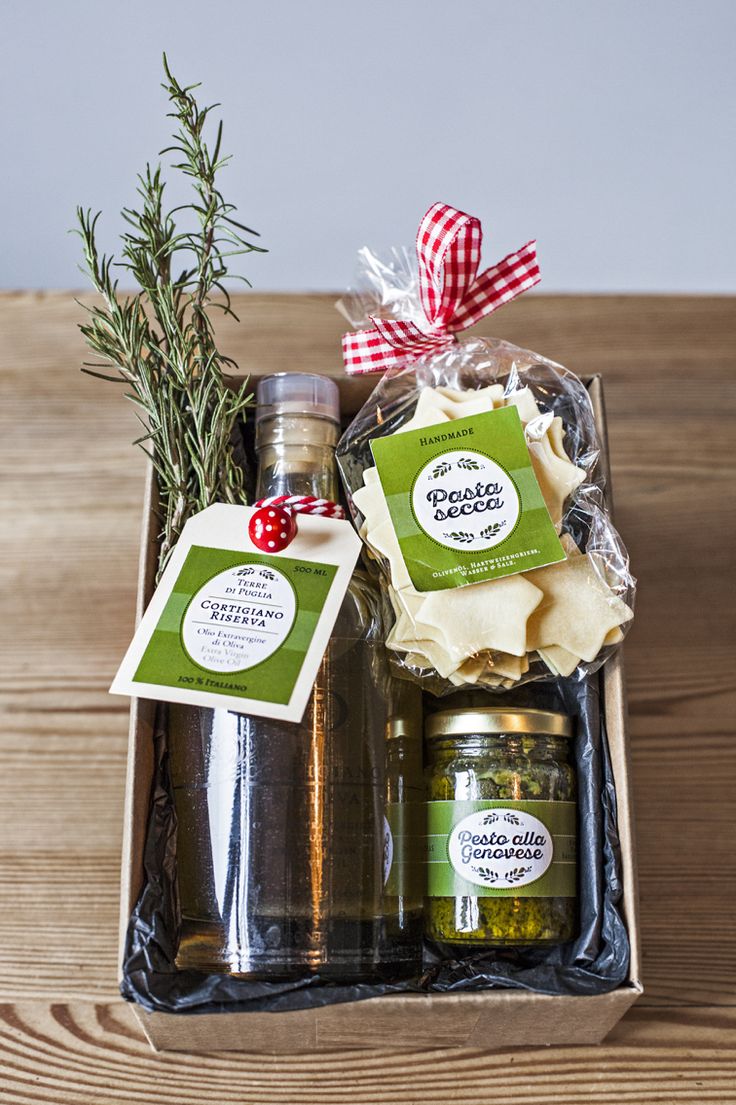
{"type": "Point", "coordinates": [71, 502]}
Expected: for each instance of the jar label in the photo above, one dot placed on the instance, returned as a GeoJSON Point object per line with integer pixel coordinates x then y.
{"type": "Point", "coordinates": [403, 867]}
{"type": "Point", "coordinates": [465, 502]}
{"type": "Point", "coordinates": [501, 848]}
{"type": "Point", "coordinates": [388, 850]}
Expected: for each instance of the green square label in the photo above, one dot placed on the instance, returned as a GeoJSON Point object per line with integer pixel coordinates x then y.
{"type": "Point", "coordinates": [237, 624]}
{"type": "Point", "coordinates": [465, 502]}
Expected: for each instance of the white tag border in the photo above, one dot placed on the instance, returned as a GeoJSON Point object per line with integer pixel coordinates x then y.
{"type": "Point", "coordinates": [225, 526]}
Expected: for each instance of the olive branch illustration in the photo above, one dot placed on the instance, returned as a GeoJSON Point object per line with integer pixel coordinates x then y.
{"type": "Point", "coordinates": [461, 536]}
{"type": "Point", "coordinates": [441, 470]}
{"type": "Point", "coordinates": [465, 538]}
{"type": "Point", "coordinates": [491, 876]}
{"type": "Point", "coordinates": [445, 466]}
{"type": "Point", "coordinates": [492, 530]}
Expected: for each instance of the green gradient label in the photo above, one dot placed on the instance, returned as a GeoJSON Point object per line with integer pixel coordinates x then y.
{"type": "Point", "coordinates": [501, 848]}
{"type": "Point", "coordinates": [465, 502]}
{"type": "Point", "coordinates": [237, 623]}
{"type": "Point", "coordinates": [404, 867]}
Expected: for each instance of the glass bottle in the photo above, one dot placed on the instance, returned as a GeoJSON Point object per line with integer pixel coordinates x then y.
{"type": "Point", "coordinates": [281, 826]}
{"type": "Point", "coordinates": [501, 825]}
{"type": "Point", "coordinates": [404, 826]}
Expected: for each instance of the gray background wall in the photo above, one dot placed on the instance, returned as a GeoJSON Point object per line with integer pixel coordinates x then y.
{"type": "Point", "coordinates": [605, 128]}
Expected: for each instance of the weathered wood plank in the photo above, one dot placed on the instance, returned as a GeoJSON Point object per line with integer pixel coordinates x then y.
{"type": "Point", "coordinates": [74, 1054]}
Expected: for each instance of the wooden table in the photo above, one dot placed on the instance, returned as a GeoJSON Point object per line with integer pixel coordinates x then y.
{"type": "Point", "coordinates": [71, 500]}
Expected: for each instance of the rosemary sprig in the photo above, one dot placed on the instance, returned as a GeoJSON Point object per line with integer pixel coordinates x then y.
{"type": "Point", "coordinates": [160, 340]}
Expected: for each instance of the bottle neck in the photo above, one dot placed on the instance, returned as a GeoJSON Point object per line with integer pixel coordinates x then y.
{"type": "Point", "coordinates": [296, 456]}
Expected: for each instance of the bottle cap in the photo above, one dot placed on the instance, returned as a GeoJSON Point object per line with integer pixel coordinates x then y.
{"type": "Point", "coordinates": [298, 393]}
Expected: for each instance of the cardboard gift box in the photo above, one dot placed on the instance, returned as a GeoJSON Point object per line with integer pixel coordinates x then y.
{"type": "Point", "coordinates": [410, 1021]}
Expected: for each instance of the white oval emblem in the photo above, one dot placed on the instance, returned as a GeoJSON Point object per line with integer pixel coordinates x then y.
{"type": "Point", "coordinates": [464, 500]}
{"type": "Point", "coordinates": [239, 618]}
{"type": "Point", "coordinates": [501, 848]}
{"type": "Point", "coordinates": [388, 850]}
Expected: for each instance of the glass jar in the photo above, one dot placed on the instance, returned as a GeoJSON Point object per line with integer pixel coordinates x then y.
{"type": "Point", "coordinates": [501, 827]}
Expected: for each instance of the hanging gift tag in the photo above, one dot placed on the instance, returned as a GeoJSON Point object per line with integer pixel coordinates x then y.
{"type": "Point", "coordinates": [464, 501]}
{"type": "Point", "coordinates": [230, 626]}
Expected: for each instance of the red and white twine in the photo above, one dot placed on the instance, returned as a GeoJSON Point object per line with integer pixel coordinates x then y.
{"type": "Point", "coordinates": [304, 504]}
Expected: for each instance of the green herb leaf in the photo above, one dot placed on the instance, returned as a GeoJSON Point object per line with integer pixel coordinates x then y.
{"type": "Point", "coordinates": [160, 340]}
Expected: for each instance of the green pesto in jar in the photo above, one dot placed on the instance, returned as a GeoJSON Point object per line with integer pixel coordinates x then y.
{"type": "Point", "coordinates": [501, 825]}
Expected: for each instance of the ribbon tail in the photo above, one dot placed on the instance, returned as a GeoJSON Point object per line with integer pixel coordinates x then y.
{"type": "Point", "coordinates": [448, 254]}
{"type": "Point", "coordinates": [391, 342]}
{"type": "Point", "coordinates": [499, 284]}
{"type": "Point", "coordinates": [366, 351]}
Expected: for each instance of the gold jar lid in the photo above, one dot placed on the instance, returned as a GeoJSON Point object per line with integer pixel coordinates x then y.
{"type": "Point", "coordinates": [489, 720]}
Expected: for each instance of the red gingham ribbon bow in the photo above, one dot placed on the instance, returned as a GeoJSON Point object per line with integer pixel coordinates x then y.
{"type": "Point", "coordinates": [454, 297]}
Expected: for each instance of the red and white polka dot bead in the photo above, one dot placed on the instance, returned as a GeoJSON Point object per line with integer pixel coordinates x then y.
{"type": "Point", "coordinates": [272, 528]}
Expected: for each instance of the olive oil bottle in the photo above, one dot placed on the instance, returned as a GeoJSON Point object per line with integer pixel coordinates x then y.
{"type": "Point", "coordinates": [280, 838]}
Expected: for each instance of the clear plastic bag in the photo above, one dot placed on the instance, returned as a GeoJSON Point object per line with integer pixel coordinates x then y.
{"type": "Point", "coordinates": [585, 606]}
